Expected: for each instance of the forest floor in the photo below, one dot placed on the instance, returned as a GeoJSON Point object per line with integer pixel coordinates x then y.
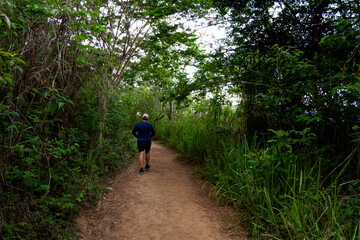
{"type": "Point", "coordinates": [168, 202]}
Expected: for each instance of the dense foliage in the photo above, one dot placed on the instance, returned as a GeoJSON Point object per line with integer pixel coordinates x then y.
{"type": "Point", "coordinates": [75, 75]}
{"type": "Point", "coordinates": [63, 69]}
{"type": "Point", "coordinates": [280, 185]}
{"type": "Point", "coordinates": [295, 65]}
{"type": "Point", "coordinates": [287, 154]}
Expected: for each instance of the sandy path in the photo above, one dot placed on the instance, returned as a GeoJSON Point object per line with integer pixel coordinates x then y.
{"type": "Point", "coordinates": [166, 203]}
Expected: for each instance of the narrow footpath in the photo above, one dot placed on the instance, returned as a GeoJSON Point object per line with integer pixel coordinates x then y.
{"type": "Point", "coordinates": [166, 203]}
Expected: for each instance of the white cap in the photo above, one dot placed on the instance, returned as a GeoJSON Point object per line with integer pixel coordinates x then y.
{"type": "Point", "coordinates": [145, 116]}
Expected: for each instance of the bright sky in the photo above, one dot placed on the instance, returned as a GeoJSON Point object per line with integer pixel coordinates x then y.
{"type": "Point", "coordinates": [208, 41]}
{"type": "Point", "coordinates": [208, 37]}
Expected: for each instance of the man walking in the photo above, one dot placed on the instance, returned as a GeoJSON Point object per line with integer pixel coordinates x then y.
{"type": "Point", "coordinates": [144, 131]}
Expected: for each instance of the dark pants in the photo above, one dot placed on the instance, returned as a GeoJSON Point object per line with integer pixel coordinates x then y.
{"type": "Point", "coordinates": [144, 146]}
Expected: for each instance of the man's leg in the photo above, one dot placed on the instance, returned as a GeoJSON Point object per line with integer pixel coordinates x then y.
{"type": "Point", "coordinates": [147, 158]}
{"type": "Point", "coordinates": [141, 159]}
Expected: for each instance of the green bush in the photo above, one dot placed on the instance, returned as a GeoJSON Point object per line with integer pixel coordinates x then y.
{"type": "Point", "coordinates": [51, 175]}
{"type": "Point", "coordinates": [277, 185]}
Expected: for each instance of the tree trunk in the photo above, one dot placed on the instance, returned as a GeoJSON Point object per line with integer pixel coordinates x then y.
{"type": "Point", "coordinates": [103, 111]}
{"type": "Point", "coordinates": [316, 34]}
{"type": "Point", "coordinates": [358, 165]}
{"type": "Point", "coordinates": [3, 177]}
{"type": "Point", "coordinates": [171, 110]}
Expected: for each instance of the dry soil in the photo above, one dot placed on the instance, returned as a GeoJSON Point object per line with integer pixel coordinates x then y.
{"type": "Point", "coordinates": [166, 203]}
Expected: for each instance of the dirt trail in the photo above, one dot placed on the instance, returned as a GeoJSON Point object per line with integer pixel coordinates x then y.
{"type": "Point", "coordinates": [166, 203]}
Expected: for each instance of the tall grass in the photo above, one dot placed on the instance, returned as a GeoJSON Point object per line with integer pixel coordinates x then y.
{"type": "Point", "coordinates": [193, 140]}
{"type": "Point", "coordinates": [279, 192]}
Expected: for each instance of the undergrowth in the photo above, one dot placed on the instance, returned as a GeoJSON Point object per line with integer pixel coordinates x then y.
{"type": "Point", "coordinates": [278, 185]}
{"type": "Point", "coordinates": [50, 176]}
{"type": "Point", "coordinates": [42, 197]}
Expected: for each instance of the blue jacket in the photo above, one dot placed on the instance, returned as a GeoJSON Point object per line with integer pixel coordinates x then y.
{"type": "Point", "coordinates": [143, 131]}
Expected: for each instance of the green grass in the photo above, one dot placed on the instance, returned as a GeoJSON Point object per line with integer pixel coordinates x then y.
{"type": "Point", "coordinates": [278, 192]}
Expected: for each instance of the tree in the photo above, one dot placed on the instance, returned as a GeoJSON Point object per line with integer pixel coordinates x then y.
{"type": "Point", "coordinates": [289, 59]}
{"type": "Point", "coordinates": [63, 64]}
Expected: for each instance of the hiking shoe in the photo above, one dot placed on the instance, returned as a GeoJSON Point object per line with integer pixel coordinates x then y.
{"type": "Point", "coordinates": [141, 171]}
{"type": "Point", "coordinates": [147, 167]}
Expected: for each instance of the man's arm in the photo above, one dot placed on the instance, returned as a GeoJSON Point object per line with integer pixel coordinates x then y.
{"type": "Point", "coordinates": [152, 131]}
{"type": "Point", "coordinates": [133, 132]}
